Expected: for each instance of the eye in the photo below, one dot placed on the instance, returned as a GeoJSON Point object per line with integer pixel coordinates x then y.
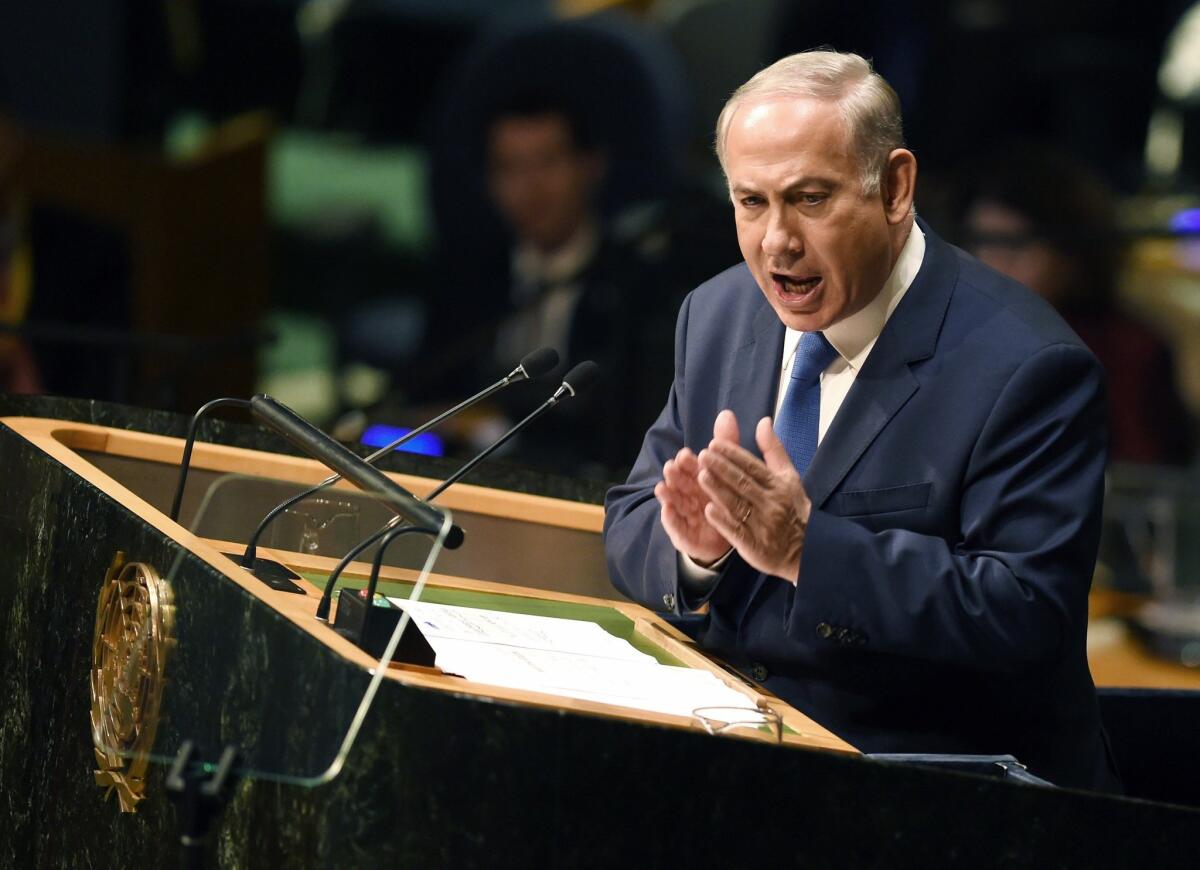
{"type": "Point", "coordinates": [751, 201]}
{"type": "Point", "coordinates": [812, 198]}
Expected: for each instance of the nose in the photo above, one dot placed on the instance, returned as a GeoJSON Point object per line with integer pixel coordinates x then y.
{"type": "Point", "coordinates": [782, 235]}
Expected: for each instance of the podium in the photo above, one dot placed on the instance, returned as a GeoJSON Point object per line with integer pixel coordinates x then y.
{"type": "Point", "coordinates": [440, 771]}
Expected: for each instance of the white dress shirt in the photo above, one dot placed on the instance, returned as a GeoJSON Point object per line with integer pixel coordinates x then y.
{"type": "Point", "coordinates": [853, 339]}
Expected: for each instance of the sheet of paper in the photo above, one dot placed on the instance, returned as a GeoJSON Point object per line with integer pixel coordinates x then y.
{"type": "Point", "coordinates": [566, 657]}
{"type": "Point", "coordinates": [655, 687]}
{"type": "Point", "coordinates": [517, 630]}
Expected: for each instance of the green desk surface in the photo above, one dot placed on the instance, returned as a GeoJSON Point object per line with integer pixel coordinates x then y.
{"type": "Point", "coordinates": [608, 618]}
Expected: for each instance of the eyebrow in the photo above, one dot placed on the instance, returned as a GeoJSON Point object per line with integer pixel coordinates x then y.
{"type": "Point", "coordinates": [807, 181]}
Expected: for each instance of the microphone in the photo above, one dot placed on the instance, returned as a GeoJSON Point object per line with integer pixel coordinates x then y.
{"type": "Point", "coordinates": [320, 446]}
{"type": "Point", "coordinates": [575, 381]}
{"type": "Point", "coordinates": [356, 622]}
{"type": "Point", "coordinates": [532, 365]}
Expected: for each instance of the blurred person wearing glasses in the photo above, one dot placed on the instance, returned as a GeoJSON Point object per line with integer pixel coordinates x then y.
{"type": "Point", "coordinates": [1042, 218]}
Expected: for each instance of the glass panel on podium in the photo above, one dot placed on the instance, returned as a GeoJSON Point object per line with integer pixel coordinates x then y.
{"type": "Point", "coordinates": [201, 652]}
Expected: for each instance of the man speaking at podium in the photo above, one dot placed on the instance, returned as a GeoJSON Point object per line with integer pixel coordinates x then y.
{"type": "Point", "coordinates": [879, 471]}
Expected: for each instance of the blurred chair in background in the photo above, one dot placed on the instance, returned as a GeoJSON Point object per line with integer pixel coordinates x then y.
{"type": "Point", "coordinates": [150, 266]}
{"type": "Point", "coordinates": [1045, 220]}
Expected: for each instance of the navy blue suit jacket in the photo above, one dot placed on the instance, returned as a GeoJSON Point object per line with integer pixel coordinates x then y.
{"type": "Point", "coordinates": [942, 601]}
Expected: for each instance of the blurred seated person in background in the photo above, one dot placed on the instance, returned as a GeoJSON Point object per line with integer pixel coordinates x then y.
{"type": "Point", "coordinates": [568, 285]}
{"type": "Point", "coordinates": [543, 172]}
{"type": "Point", "coordinates": [1041, 218]}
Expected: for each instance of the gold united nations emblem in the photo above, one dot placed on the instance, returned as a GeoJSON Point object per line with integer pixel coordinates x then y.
{"type": "Point", "coordinates": [134, 623]}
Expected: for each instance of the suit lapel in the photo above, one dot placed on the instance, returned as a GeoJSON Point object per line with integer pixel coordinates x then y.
{"type": "Point", "coordinates": [754, 377]}
{"type": "Point", "coordinates": [886, 382]}
{"type": "Point", "coordinates": [879, 391]}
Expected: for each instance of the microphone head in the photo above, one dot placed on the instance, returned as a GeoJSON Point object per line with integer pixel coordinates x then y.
{"type": "Point", "coordinates": [539, 362]}
{"type": "Point", "coordinates": [454, 538]}
{"type": "Point", "coordinates": [581, 377]}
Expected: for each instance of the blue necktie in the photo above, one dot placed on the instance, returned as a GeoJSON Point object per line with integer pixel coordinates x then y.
{"type": "Point", "coordinates": [800, 414]}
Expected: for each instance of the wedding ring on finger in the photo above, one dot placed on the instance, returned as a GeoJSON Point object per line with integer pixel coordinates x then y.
{"type": "Point", "coordinates": [746, 515]}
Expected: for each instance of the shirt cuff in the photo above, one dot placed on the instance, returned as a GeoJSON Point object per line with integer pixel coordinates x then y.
{"type": "Point", "coordinates": [697, 579]}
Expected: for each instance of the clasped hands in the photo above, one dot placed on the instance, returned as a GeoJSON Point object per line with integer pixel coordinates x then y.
{"type": "Point", "coordinates": [727, 498]}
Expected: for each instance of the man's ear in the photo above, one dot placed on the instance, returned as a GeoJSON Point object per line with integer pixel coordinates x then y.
{"type": "Point", "coordinates": [899, 185]}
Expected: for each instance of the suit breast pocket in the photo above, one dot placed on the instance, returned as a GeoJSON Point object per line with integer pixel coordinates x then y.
{"type": "Point", "coordinates": [889, 500]}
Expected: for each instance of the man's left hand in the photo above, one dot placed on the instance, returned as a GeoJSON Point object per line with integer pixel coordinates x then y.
{"type": "Point", "coordinates": [758, 505]}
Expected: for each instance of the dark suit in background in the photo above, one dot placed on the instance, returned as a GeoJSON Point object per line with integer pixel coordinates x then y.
{"type": "Point", "coordinates": [942, 599]}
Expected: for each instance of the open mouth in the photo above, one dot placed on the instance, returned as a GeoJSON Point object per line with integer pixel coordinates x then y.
{"type": "Point", "coordinates": [791, 288]}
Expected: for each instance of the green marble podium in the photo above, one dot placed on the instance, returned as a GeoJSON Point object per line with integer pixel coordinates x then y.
{"type": "Point", "coordinates": [437, 776]}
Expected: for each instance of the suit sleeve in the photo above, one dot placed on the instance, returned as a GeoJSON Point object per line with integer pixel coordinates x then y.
{"type": "Point", "coordinates": [642, 562]}
{"type": "Point", "coordinates": [1007, 594]}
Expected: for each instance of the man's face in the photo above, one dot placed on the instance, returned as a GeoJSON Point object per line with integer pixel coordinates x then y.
{"type": "Point", "coordinates": [540, 181]}
{"type": "Point", "coordinates": [818, 247]}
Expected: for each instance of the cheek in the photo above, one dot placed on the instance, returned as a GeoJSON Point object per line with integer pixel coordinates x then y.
{"type": "Point", "coordinates": [562, 188]}
{"type": "Point", "coordinates": [858, 262]}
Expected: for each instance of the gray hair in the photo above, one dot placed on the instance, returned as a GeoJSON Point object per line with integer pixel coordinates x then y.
{"type": "Point", "coordinates": [869, 107]}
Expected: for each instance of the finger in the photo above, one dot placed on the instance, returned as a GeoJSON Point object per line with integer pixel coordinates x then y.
{"type": "Point", "coordinates": [674, 474]}
{"type": "Point", "coordinates": [685, 456]}
{"type": "Point", "coordinates": [738, 457]}
{"type": "Point", "coordinates": [673, 523]}
{"type": "Point", "coordinates": [687, 463]}
{"type": "Point", "coordinates": [683, 524]}
{"type": "Point", "coordinates": [684, 461]}
{"type": "Point", "coordinates": [724, 494]}
{"type": "Point", "coordinates": [681, 476]}
{"type": "Point", "coordinates": [745, 486]}
{"type": "Point", "coordinates": [675, 527]}
{"type": "Point", "coordinates": [774, 453]}
{"type": "Point", "coordinates": [672, 499]}
{"type": "Point", "coordinates": [725, 428]}
{"type": "Point", "coordinates": [685, 511]}
{"type": "Point", "coordinates": [734, 531]}
{"type": "Point", "coordinates": [665, 494]}
{"type": "Point", "coordinates": [688, 508]}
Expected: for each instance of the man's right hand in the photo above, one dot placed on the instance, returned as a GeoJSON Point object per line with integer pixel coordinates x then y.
{"type": "Point", "coordinates": [683, 502]}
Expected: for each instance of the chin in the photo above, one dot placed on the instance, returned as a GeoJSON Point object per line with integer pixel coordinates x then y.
{"type": "Point", "coordinates": [806, 324]}
{"type": "Point", "coordinates": [815, 321]}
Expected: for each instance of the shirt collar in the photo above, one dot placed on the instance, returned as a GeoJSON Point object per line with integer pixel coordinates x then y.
{"type": "Point", "coordinates": [854, 336]}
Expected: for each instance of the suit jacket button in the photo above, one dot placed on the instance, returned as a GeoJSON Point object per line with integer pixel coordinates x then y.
{"type": "Point", "coordinates": [669, 601]}
{"type": "Point", "coordinates": [759, 673]}
{"type": "Point", "coordinates": [824, 630]}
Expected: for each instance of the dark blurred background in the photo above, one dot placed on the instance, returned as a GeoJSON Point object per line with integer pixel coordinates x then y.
{"type": "Point", "coordinates": [369, 208]}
